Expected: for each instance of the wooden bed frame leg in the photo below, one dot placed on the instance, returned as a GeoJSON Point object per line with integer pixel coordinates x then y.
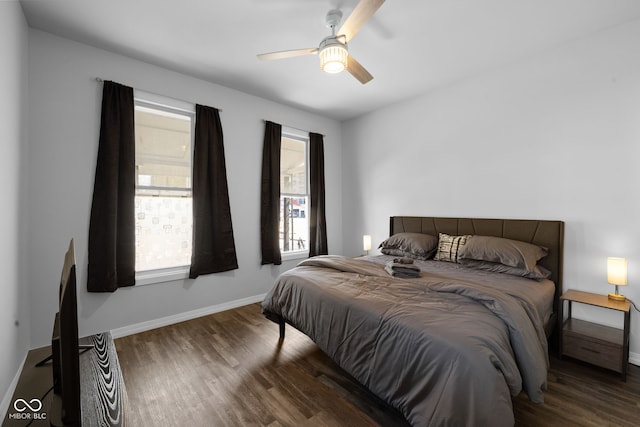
{"type": "Point", "coordinates": [282, 324]}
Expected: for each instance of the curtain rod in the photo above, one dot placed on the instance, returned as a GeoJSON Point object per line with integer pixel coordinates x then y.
{"type": "Point", "coordinates": [294, 128]}
{"type": "Point", "coordinates": [101, 80]}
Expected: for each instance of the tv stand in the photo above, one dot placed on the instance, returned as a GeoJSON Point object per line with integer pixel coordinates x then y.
{"type": "Point", "coordinates": [81, 347]}
{"type": "Point", "coordinates": [102, 388]}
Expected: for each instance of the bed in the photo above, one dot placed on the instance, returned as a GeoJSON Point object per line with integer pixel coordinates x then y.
{"type": "Point", "coordinates": [450, 347]}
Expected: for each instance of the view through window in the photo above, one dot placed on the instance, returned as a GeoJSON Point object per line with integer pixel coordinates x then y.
{"type": "Point", "coordinates": [294, 197]}
{"type": "Point", "coordinates": [163, 203]}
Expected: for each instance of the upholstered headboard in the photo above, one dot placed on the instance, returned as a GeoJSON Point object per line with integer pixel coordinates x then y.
{"type": "Point", "coordinates": [549, 234]}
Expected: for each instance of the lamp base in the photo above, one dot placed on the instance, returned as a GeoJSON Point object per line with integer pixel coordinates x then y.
{"type": "Point", "coordinates": [617, 297]}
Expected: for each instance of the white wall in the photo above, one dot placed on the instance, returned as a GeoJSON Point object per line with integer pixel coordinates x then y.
{"type": "Point", "coordinates": [14, 300]}
{"type": "Point", "coordinates": [64, 108]}
{"type": "Point", "coordinates": [554, 137]}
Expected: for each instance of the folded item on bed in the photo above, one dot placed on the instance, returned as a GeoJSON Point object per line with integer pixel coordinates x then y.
{"type": "Point", "coordinates": [403, 260]}
{"type": "Point", "coordinates": [402, 269]}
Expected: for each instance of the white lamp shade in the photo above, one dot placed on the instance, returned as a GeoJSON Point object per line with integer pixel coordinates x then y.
{"type": "Point", "coordinates": [617, 271]}
{"type": "Point", "coordinates": [366, 242]}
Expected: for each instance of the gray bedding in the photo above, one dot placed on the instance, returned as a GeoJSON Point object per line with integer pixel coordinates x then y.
{"type": "Point", "coordinates": [448, 348]}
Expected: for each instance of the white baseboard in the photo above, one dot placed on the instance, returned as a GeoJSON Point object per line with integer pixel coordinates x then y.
{"type": "Point", "coordinates": [6, 400]}
{"type": "Point", "coordinates": [177, 318]}
{"type": "Point", "coordinates": [634, 358]}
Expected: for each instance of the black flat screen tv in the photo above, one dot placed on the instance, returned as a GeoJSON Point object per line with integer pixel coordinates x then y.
{"type": "Point", "coordinates": [64, 347]}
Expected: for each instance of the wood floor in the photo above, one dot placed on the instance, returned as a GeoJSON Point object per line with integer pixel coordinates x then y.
{"type": "Point", "coordinates": [229, 369]}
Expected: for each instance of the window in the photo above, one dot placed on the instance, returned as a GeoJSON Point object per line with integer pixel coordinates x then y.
{"type": "Point", "coordinates": [163, 202]}
{"type": "Point", "coordinates": [294, 194]}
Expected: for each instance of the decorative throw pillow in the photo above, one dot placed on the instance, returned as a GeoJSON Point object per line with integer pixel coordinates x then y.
{"type": "Point", "coordinates": [449, 247]}
{"type": "Point", "coordinates": [414, 245]}
{"type": "Point", "coordinates": [514, 253]}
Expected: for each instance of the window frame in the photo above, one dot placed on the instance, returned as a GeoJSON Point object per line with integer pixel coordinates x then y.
{"type": "Point", "coordinates": [170, 105]}
{"type": "Point", "coordinates": [298, 135]}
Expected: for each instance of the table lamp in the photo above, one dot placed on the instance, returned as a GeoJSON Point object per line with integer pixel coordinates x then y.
{"type": "Point", "coordinates": [617, 275]}
{"type": "Point", "coordinates": [366, 243]}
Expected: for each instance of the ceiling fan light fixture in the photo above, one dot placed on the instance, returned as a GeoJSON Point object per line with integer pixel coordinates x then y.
{"type": "Point", "coordinates": [333, 50]}
{"type": "Point", "coordinates": [333, 55]}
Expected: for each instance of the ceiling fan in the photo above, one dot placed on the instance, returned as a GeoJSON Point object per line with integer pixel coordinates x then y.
{"type": "Point", "coordinates": [333, 51]}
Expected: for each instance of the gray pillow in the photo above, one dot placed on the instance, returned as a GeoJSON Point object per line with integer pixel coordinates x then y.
{"type": "Point", "coordinates": [414, 245]}
{"type": "Point", "coordinates": [537, 273]}
{"type": "Point", "coordinates": [513, 253]}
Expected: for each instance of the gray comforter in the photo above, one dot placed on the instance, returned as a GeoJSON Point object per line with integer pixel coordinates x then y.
{"type": "Point", "coordinates": [444, 348]}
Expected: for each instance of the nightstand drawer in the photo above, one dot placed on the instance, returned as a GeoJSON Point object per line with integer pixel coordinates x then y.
{"type": "Point", "coordinates": [601, 353]}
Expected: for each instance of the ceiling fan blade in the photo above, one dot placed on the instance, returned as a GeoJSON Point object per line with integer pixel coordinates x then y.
{"type": "Point", "coordinates": [287, 54]}
{"type": "Point", "coordinates": [360, 15]}
{"type": "Point", "coordinates": [358, 71]}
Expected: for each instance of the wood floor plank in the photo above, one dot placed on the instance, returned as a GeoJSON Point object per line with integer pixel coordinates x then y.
{"type": "Point", "coordinates": [230, 369]}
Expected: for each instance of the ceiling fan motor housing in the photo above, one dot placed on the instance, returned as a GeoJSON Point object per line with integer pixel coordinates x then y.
{"type": "Point", "coordinates": [333, 18]}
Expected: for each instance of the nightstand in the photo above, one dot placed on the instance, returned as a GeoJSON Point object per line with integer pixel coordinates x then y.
{"type": "Point", "coordinates": [599, 345]}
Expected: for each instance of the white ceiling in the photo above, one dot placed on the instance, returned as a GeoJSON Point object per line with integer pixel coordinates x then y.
{"type": "Point", "coordinates": [410, 46]}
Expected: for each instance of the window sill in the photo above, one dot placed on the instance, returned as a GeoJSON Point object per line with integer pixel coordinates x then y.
{"type": "Point", "coordinates": [160, 275]}
{"type": "Point", "coordinates": [289, 256]}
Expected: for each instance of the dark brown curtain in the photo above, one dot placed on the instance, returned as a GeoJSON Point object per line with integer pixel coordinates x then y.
{"type": "Point", "coordinates": [270, 195]}
{"type": "Point", "coordinates": [111, 226]}
{"type": "Point", "coordinates": [213, 244]}
{"type": "Point", "coordinates": [317, 219]}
